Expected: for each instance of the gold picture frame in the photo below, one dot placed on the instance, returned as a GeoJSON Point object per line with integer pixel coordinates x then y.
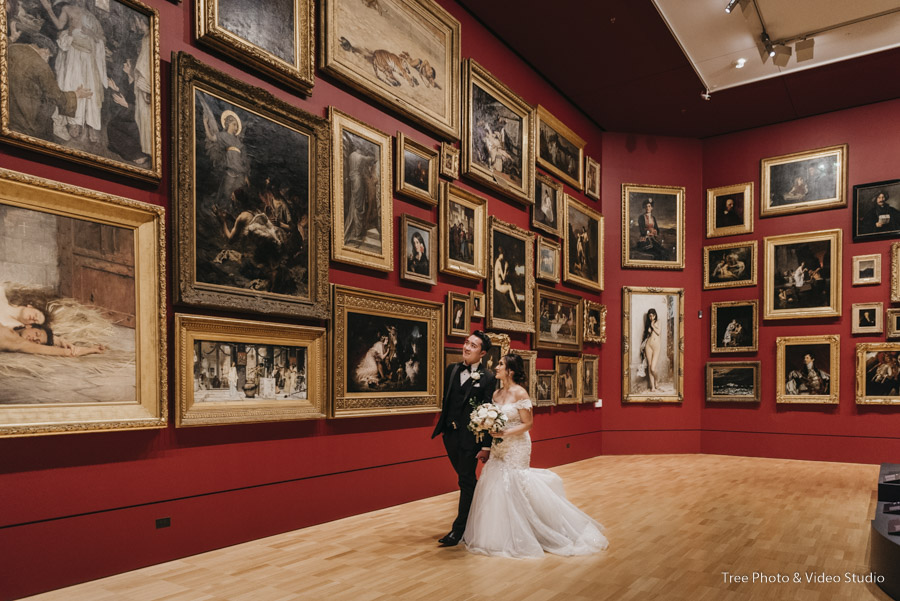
{"type": "Point", "coordinates": [583, 246]}
{"type": "Point", "coordinates": [287, 151]}
{"type": "Point", "coordinates": [729, 210]}
{"type": "Point", "coordinates": [260, 372]}
{"type": "Point", "coordinates": [729, 381]}
{"type": "Point", "coordinates": [892, 321]}
{"type": "Point", "coordinates": [590, 369]}
{"type": "Point", "coordinates": [800, 182]}
{"type": "Point", "coordinates": [548, 259]}
{"type": "Point", "coordinates": [867, 318]}
{"type": "Point", "coordinates": [367, 329]}
{"type": "Point", "coordinates": [568, 385]}
{"type": "Point", "coordinates": [655, 241]}
{"type": "Point", "coordinates": [418, 264]}
{"type": "Point", "coordinates": [510, 306]}
{"type": "Point", "coordinates": [591, 178]}
{"type": "Point", "coordinates": [545, 389]}
{"type": "Point", "coordinates": [560, 150]}
{"type": "Point", "coordinates": [85, 130]}
{"type": "Point", "coordinates": [403, 54]}
{"type": "Point", "coordinates": [895, 272]}
{"type": "Point", "coordinates": [594, 322]}
{"type": "Point", "coordinates": [449, 161]}
{"type": "Point", "coordinates": [875, 363]}
{"type": "Point", "coordinates": [799, 381]}
{"type": "Point", "coordinates": [95, 266]}
{"type": "Point", "coordinates": [500, 346]}
{"type": "Point", "coordinates": [529, 359]}
{"type": "Point", "coordinates": [416, 174]}
{"type": "Point", "coordinates": [498, 135]}
{"type": "Point", "coordinates": [734, 326]}
{"type": "Point", "coordinates": [641, 383]}
{"type": "Point", "coordinates": [866, 270]}
{"type": "Point", "coordinates": [559, 320]}
{"type": "Point", "coordinates": [459, 314]}
{"type": "Point", "coordinates": [477, 300]}
{"type": "Point", "coordinates": [799, 267]}
{"type": "Point", "coordinates": [359, 151]}
{"type": "Point", "coordinates": [245, 38]}
{"type": "Point", "coordinates": [463, 214]}
{"type": "Point", "coordinates": [731, 265]}
{"type": "Point", "coordinates": [547, 211]}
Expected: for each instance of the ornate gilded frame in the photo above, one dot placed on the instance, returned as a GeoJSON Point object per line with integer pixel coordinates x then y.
{"type": "Point", "coordinates": [406, 221]}
{"type": "Point", "coordinates": [527, 245]}
{"type": "Point", "coordinates": [745, 191]}
{"type": "Point", "coordinates": [875, 328]}
{"type": "Point", "coordinates": [557, 188]}
{"type": "Point", "coordinates": [477, 300]}
{"type": "Point", "coordinates": [633, 197]}
{"type": "Point", "coordinates": [147, 223]}
{"type": "Point", "coordinates": [632, 328]}
{"type": "Point", "coordinates": [563, 361]}
{"type": "Point", "coordinates": [867, 360]}
{"type": "Point", "coordinates": [547, 123]}
{"type": "Point", "coordinates": [592, 363]}
{"type": "Point", "coordinates": [466, 317]}
{"type": "Point", "coordinates": [895, 272]}
{"type": "Point", "coordinates": [151, 173]}
{"type": "Point", "coordinates": [544, 339]}
{"type": "Point", "coordinates": [714, 346]}
{"type": "Point", "coordinates": [190, 329]}
{"type": "Point", "coordinates": [834, 369]}
{"type": "Point", "coordinates": [477, 270]}
{"type": "Point", "coordinates": [570, 245]}
{"type": "Point", "coordinates": [192, 77]}
{"type": "Point", "coordinates": [551, 375]}
{"type": "Point", "coordinates": [837, 154]}
{"type": "Point", "coordinates": [500, 346]}
{"type": "Point", "coordinates": [428, 315]}
{"type": "Point", "coordinates": [708, 267]}
{"type": "Point", "coordinates": [388, 30]}
{"type": "Point", "coordinates": [554, 247]}
{"type": "Point", "coordinates": [892, 319]}
{"type": "Point", "coordinates": [711, 396]}
{"type": "Point", "coordinates": [858, 279]}
{"type": "Point", "coordinates": [591, 188]}
{"type": "Point", "coordinates": [598, 312]}
{"type": "Point", "coordinates": [476, 76]}
{"type": "Point", "coordinates": [529, 358]}
{"type": "Point", "coordinates": [298, 73]}
{"type": "Point", "coordinates": [401, 186]}
{"type": "Point", "coordinates": [770, 311]}
{"type": "Point", "coordinates": [383, 259]}
{"type": "Point", "coordinates": [449, 161]}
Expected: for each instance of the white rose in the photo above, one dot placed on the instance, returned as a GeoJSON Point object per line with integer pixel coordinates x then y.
{"type": "Point", "coordinates": [488, 423]}
{"type": "Point", "coordinates": [492, 414]}
{"type": "Point", "coordinates": [482, 413]}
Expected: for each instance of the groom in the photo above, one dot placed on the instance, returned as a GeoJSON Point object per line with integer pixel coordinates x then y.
{"type": "Point", "coordinates": [464, 382]}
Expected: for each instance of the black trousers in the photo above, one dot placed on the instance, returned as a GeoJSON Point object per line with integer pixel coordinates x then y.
{"type": "Point", "coordinates": [464, 462]}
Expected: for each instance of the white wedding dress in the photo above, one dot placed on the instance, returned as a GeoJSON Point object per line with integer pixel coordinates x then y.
{"type": "Point", "coordinates": [519, 511]}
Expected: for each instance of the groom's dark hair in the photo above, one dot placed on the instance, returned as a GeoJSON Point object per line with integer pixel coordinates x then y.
{"type": "Point", "coordinates": [485, 340]}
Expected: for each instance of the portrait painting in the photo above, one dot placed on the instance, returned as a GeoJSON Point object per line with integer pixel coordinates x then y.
{"type": "Point", "coordinates": [583, 259]}
{"type": "Point", "coordinates": [729, 265]}
{"type": "Point", "coordinates": [560, 150]}
{"type": "Point", "coordinates": [459, 314]}
{"type": "Point", "coordinates": [867, 318]}
{"type": "Point", "coordinates": [591, 178]}
{"type": "Point", "coordinates": [876, 210]}
{"type": "Point", "coordinates": [734, 327]}
{"type": "Point", "coordinates": [866, 270]}
{"type": "Point", "coordinates": [560, 320]}
{"type": "Point", "coordinates": [811, 180]}
{"type": "Point", "coordinates": [81, 82]}
{"type": "Point", "coordinates": [878, 373]}
{"type": "Point", "coordinates": [510, 305]}
{"type": "Point", "coordinates": [569, 380]}
{"type": "Point", "coordinates": [476, 301]}
{"type": "Point", "coordinates": [82, 310]}
{"type": "Point", "coordinates": [652, 227]}
{"type": "Point", "coordinates": [277, 37]}
{"type": "Point", "coordinates": [499, 348]}
{"type": "Point", "coordinates": [729, 210]}
{"type": "Point", "coordinates": [652, 345]}
{"type": "Point", "coordinates": [449, 161]}
{"type": "Point", "coordinates": [231, 371]}
{"type": "Point", "coordinates": [594, 321]}
{"type": "Point", "coordinates": [529, 361]}
{"type": "Point", "coordinates": [418, 260]}
{"type": "Point", "coordinates": [251, 198]}
{"type": "Point", "coordinates": [732, 381]}
{"type": "Point", "coordinates": [548, 252]}
{"type": "Point", "coordinates": [386, 353]}
{"type": "Point", "coordinates": [546, 214]}
{"type": "Point", "coordinates": [803, 275]}
{"type": "Point", "coordinates": [808, 369]}
{"type": "Point", "coordinates": [545, 389]}
{"type": "Point", "coordinates": [892, 319]}
{"type": "Point", "coordinates": [464, 233]}
{"type": "Point", "coordinates": [402, 53]}
{"type": "Point", "coordinates": [417, 171]}
{"type": "Point", "coordinates": [498, 137]}
{"type": "Point", "coordinates": [590, 378]}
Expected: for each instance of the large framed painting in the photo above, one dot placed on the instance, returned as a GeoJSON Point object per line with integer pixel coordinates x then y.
{"type": "Point", "coordinates": [277, 37]}
{"type": "Point", "coordinates": [560, 150]}
{"type": "Point", "coordinates": [875, 213]}
{"type": "Point", "coordinates": [386, 354]}
{"type": "Point", "coordinates": [808, 369]}
{"type": "Point", "coordinates": [652, 227]}
{"type": "Point", "coordinates": [230, 371]}
{"type": "Point", "coordinates": [82, 310]}
{"type": "Point", "coordinates": [866, 270]}
{"type": "Point", "coordinates": [732, 381]}
{"type": "Point", "coordinates": [652, 345]}
{"type": "Point", "coordinates": [569, 380]}
{"type": "Point", "coordinates": [734, 327]}
{"type": "Point", "coordinates": [418, 259]}
{"type": "Point", "coordinates": [895, 272]}
{"type": "Point", "coordinates": [546, 214]}
{"type": "Point", "coordinates": [498, 135]}
{"type": "Point", "coordinates": [594, 322]}
{"type": "Point", "coordinates": [459, 314]}
{"type": "Point", "coordinates": [417, 170]}
{"type": "Point", "coordinates": [509, 301]}
{"type": "Point", "coordinates": [464, 233]}
{"type": "Point", "coordinates": [81, 81]}
{"type": "Point", "coordinates": [548, 252]}
{"type": "Point", "coordinates": [583, 255]}
{"type": "Point", "coordinates": [812, 180]}
{"type": "Point", "coordinates": [591, 178]}
{"type": "Point", "coordinates": [545, 390]}
{"type": "Point", "coordinates": [867, 318]}
{"type": "Point", "coordinates": [729, 210]}
{"type": "Point", "coordinates": [560, 320]}
{"type": "Point", "coordinates": [402, 53]}
{"type": "Point", "coordinates": [363, 206]}
{"type": "Point", "coordinates": [877, 376]}
{"type": "Point", "coordinates": [590, 365]}
{"type": "Point", "coordinates": [803, 275]}
{"type": "Point", "coordinates": [251, 197]}
{"type": "Point", "coordinates": [730, 265]}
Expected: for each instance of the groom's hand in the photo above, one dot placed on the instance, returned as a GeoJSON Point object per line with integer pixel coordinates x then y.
{"type": "Point", "coordinates": [483, 455]}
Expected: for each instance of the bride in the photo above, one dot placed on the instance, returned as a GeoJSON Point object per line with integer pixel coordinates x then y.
{"type": "Point", "coordinates": [518, 511]}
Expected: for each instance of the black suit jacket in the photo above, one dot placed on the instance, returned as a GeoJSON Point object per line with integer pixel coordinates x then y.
{"type": "Point", "coordinates": [456, 400]}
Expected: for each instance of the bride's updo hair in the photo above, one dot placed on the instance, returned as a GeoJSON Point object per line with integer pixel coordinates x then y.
{"type": "Point", "coordinates": [515, 364]}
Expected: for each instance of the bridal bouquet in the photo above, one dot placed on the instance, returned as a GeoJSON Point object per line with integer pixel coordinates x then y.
{"type": "Point", "coordinates": [486, 419]}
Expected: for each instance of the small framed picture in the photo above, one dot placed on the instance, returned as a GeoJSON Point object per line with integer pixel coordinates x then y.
{"type": "Point", "coordinates": [545, 390]}
{"type": "Point", "coordinates": [452, 355]}
{"type": "Point", "coordinates": [892, 317]}
{"type": "Point", "coordinates": [594, 321]}
{"type": "Point", "coordinates": [808, 369]}
{"type": "Point", "coordinates": [878, 373]}
{"type": "Point", "coordinates": [875, 214]}
{"type": "Point", "coordinates": [734, 327]}
{"type": "Point", "coordinates": [449, 161]}
{"type": "Point", "coordinates": [729, 210]}
{"type": "Point", "coordinates": [592, 178]}
{"type": "Point", "coordinates": [866, 270]}
{"type": "Point", "coordinates": [464, 233]}
{"type": "Point", "coordinates": [895, 272]}
{"type": "Point", "coordinates": [867, 318]}
{"type": "Point", "coordinates": [548, 259]}
{"type": "Point", "coordinates": [560, 149]}
{"type": "Point", "coordinates": [418, 239]}
{"type": "Point", "coordinates": [546, 212]}
{"type": "Point", "coordinates": [590, 373]}
{"type": "Point", "coordinates": [476, 300]}
{"type": "Point", "coordinates": [416, 173]}
{"type": "Point", "coordinates": [732, 381]}
{"type": "Point", "coordinates": [499, 349]}
{"type": "Point", "coordinates": [568, 380]}
{"type": "Point", "coordinates": [729, 265]}
{"type": "Point", "coordinates": [806, 181]}
{"type": "Point", "coordinates": [458, 314]}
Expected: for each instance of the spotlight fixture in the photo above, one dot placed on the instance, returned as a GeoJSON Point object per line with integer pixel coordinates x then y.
{"type": "Point", "coordinates": [767, 43]}
{"type": "Point", "coordinates": [730, 6]}
{"type": "Point", "coordinates": [804, 49]}
{"type": "Point", "coordinates": [705, 95]}
{"type": "Point", "coordinates": [782, 55]}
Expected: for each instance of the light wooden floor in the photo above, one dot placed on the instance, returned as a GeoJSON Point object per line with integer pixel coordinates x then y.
{"type": "Point", "coordinates": [675, 523]}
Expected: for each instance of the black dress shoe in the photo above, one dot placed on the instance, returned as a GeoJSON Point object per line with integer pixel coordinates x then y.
{"type": "Point", "coordinates": [451, 539]}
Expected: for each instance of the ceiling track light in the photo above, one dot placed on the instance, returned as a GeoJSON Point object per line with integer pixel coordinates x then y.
{"type": "Point", "coordinates": [782, 55]}
{"type": "Point", "coordinates": [730, 6]}
{"type": "Point", "coordinates": [767, 43]}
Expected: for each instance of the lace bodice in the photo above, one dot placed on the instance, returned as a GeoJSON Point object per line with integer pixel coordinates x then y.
{"type": "Point", "coordinates": [515, 451]}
